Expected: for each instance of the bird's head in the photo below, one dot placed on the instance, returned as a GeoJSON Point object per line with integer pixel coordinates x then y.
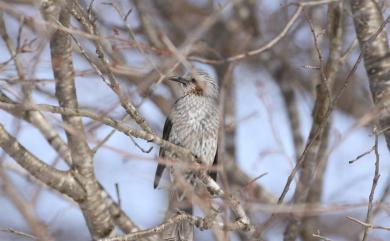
{"type": "Point", "coordinates": [198, 83]}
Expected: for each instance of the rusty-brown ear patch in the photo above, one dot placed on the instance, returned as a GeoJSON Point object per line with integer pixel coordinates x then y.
{"type": "Point", "coordinates": [198, 89]}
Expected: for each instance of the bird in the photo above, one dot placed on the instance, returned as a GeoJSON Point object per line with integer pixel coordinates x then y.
{"type": "Point", "coordinates": [193, 123]}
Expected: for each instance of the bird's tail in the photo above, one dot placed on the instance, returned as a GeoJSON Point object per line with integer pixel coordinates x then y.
{"type": "Point", "coordinates": [181, 231]}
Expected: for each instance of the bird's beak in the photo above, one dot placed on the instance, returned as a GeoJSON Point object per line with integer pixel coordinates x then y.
{"type": "Point", "coordinates": [179, 79]}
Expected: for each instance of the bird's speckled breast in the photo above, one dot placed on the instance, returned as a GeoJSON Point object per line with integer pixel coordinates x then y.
{"type": "Point", "coordinates": [195, 123]}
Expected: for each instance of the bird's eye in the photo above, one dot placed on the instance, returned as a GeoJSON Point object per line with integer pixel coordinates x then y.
{"type": "Point", "coordinates": [193, 80]}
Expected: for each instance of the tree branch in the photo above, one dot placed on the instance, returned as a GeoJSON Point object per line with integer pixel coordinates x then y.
{"type": "Point", "coordinates": [62, 181]}
{"type": "Point", "coordinates": [369, 26]}
{"type": "Point", "coordinates": [214, 189]}
{"type": "Point", "coordinates": [93, 206]}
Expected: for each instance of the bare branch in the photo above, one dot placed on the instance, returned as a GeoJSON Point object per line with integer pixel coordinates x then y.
{"type": "Point", "coordinates": [24, 207]}
{"type": "Point", "coordinates": [372, 36]}
{"type": "Point", "coordinates": [368, 225]}
{"type": "Point", "coordinates": [61, 181]}
{"type": "Point", "coordinates": [113, 83]}
{"type": "Point", "coordinates": [275, 40]}
{"type": "Point", "coordinates": [374, 184]}
{"type": "Point", "coordinates": [202, 223]}
{"type": "Point", "coordinates": [99, 223]}
{"type": "Point", "coordinates": [19, 233]}
{"type": "Point", "coordinates": [214, 189]}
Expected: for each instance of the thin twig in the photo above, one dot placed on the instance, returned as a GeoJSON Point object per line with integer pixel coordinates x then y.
{"type": "Point", "coordinates": [257, 178]}
{"type": "Point", "coordinates": [201, 223]}
{"type": "Point", "coordinates": [362, 155]}
{"type": "Point", "coordinates": [320, 237]}
{"type": "Point", "coordinates": [112, 132]}
{"type": "Point", "coordinates": [374, 184]}
{"type": "Point", "coordinates": [368, 225]}
{"type": "Point", "coordinates": [273, 41]}
{"type": "Point", "coordinates": [19, 233]}
{"type": "Point", "coordinates": [133, 37]}
{"type": "Point", "coordinates": [112, 82]}
{"type": "Point", "coordinates": [347, 52]}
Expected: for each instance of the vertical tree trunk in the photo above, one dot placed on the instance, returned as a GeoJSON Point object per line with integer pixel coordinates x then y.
{"type": "Point", "coordinates": [94, 208]}
{"type": "Point", "coordinates": [372, 36]}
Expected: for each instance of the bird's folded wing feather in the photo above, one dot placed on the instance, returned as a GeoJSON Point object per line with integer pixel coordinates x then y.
{"type": "Point", "coordinates": [160, 166]}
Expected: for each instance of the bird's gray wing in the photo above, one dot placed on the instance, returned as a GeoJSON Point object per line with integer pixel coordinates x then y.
{"type": "Point", "coordinates": [161, 167]}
